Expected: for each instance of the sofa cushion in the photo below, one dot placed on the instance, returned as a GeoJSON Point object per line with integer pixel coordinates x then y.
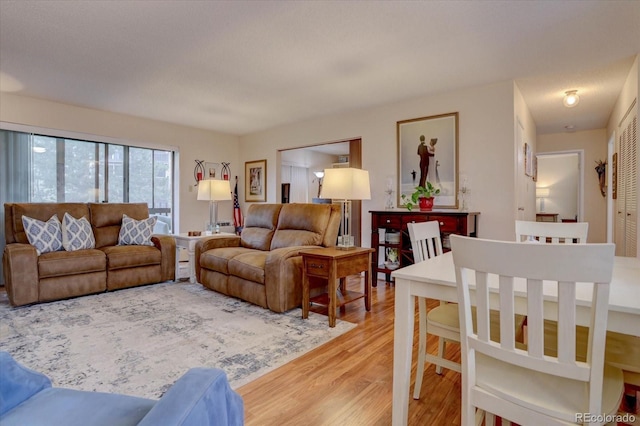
{"type": "Point", "coordinates": [77, 233]}
{"type": "Point", "coordinates": [249, 266]}
{"type": "Point", "coordinates": [301, 225]}
{"type": "Point", "coordinates": [70, 407]}
{"type": "Point", "coordinates": [62, 263]}
{"type": "Point", "coordinates": [44, 236]}
{"type": "Point", "coordinates": [136, 232]}
{"type": "Point", "coordinates": [218, 259]}
{"type": "Point", "coordinates": [259, 226]}
{"type": "Point", "coordinates": [42, 211]}
{"type": "Point", "coordinates": [106, 219]}
{"type": "Point", "coordinates": [119, 257]}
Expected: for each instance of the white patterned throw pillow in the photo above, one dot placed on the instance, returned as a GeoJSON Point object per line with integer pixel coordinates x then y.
{"type": "Point", "coordinates": [44, 236]}
{"type": "Point", "coordinates": [136, 232]}
{"type": "Point", "coordinates": [77, 233]}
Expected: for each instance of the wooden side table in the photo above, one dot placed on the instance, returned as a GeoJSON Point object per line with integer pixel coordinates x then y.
{"type": "Point", "coordinates": [189, 242]}
{"type": "Point", "coordinates": [330, 264]}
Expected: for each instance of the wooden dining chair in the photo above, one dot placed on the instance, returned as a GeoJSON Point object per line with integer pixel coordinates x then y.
{"type": "Point", "coordinates": [552, 232]}
{"type": "Point", "coordinates": [443, 320]}
{"type": "Point", "coordinates": [526, 386]}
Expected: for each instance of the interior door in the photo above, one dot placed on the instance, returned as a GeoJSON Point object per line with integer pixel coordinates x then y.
{"type": "Point", "coordinates": [521, 193]}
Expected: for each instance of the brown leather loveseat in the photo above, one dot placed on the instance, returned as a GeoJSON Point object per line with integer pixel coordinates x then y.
{"type": "Point", "coordinates": [31, 278]}
{"type": "Point", "coordinates": [263, 265]}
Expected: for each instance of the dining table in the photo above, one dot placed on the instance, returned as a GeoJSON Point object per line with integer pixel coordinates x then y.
{"type": "Point", "coordinates": [435, 278]}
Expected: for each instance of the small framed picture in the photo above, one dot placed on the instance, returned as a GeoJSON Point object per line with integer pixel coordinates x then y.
{"type": "Point", "coordinates": [212, 170]}
{"type": "Point", "coordinates": [528, 160]}
{"type": "Point", "coordinates": [255, 181]}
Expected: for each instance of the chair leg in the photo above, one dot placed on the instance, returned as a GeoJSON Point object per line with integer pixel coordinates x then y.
{"type": "Point", "coordinates": [422, 345]}
{"type": "Point", "coordinates": [441, 348]}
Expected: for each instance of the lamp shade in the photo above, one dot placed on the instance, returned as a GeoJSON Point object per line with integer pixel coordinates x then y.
{"type": "Point", "coordinates": [346, 184]}
{"type": "Point", "coordinates": [214, 190]}
{"type": "Point", "coordinates": [542, 192]}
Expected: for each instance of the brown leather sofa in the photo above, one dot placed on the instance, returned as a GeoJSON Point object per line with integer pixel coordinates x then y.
{"type": "Point", "coordinates": [30, 278]}
{"type": "Point", "coordinates": [263, 265]}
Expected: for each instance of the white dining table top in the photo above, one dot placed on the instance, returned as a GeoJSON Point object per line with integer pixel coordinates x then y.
{"type": "Point", "coordinates": [624, 295]}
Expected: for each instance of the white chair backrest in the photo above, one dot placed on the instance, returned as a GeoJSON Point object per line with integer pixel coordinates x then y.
{"type": "Point", "coordinates": [557, 232]}
{"type": "Point", "coordinates": [514, 267]}
{"type": "Point", "coordinates": [425, 240]}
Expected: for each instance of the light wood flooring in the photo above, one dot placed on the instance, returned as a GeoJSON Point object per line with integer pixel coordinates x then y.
{"type": "Point", "coordinates": [348, 381]}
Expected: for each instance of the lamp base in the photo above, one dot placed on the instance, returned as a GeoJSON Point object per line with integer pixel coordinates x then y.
{"type": "Point", "coordinates": [346, 242]}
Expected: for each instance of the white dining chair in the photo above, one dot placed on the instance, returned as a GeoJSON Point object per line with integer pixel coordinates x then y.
{"type": "Point", "coordinates": [553, 232]}
{"type": "Point", "coordinates": [443, 320]}
{"type": "Point", "coordinates": [523, 385]}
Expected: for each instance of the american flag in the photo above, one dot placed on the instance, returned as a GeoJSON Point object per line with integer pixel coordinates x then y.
{"type": "Point", "coordinates": [238, 220]}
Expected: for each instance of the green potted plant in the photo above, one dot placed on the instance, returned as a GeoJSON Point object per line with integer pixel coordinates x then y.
{"type": "Point", "coordinates": [422, 197]}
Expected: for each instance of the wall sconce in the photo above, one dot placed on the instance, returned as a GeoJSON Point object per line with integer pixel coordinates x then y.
{"type": "Point", "coordinates": [571, 98]}
{"type": "Point", "coordinates": [542, 193]}
{"type": "Point", "coordinates": [319, 176]}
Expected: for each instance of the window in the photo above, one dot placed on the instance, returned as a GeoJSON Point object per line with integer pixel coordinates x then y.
{"type": "Point", "coordinates": [40, 168]}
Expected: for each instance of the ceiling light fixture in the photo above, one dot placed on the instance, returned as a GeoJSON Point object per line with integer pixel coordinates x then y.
{"type": "Point", "coordinates": [571, 98]}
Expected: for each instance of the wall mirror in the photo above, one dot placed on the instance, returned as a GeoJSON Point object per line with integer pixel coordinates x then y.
{"type": "Point", "coordinates": [428, 152]}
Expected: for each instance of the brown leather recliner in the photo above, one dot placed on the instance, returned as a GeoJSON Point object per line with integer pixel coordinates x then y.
{"type": "Point", "coordinates": [30, 278]}
{"type": "Point", "coordinates": [263, 265]}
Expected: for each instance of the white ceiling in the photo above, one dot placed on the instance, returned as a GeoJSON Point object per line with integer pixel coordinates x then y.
{"type": "Point", "coordinates": [244, 66]}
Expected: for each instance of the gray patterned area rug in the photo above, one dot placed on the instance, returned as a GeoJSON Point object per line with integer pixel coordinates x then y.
{"type": "Point", "coordinates": [139, 341]}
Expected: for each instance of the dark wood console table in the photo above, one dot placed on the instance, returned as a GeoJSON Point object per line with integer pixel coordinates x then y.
{"type": "Point", "coordinates": [395, 222]}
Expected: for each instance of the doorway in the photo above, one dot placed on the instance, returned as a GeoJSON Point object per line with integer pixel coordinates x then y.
{"type": "Point", "coordinates": [559, 186]}
{"type": "Point", "coordinates": [321, 156]}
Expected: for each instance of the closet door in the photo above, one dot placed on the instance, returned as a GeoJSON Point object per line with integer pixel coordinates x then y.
{"type": "Point", "coordinates": [627, 201]}
{"type": "Point", "coordinates": [631, 191]}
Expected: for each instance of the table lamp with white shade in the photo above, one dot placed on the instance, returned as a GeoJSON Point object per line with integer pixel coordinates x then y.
{"type": "Point", "coordinates": [542, 193]}
{"type": "Point", "coordinates": [344, 185]}
{"type": "Point", "coordinates": [214, 190]}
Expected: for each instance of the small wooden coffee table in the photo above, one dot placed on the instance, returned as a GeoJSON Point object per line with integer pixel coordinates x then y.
{"type": "Point", "coordinates": [330, 264]}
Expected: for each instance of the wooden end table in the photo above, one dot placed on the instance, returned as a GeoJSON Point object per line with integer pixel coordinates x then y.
{"type": "Point", "coordinates": [331, 263]}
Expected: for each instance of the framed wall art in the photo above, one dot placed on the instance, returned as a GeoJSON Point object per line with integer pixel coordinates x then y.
{"type": "Point", "coordinates": [255, 180]}
{"type": "Point", "coordinates": [528, 160]}
{"type": "Point", "coordinates": [428, 152]}
{"type": "Point", "coordinates": [212, 170]}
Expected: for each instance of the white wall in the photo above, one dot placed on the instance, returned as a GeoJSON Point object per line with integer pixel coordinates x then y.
{"type": "Point", "coordinates": [559, 174]}
{"type": "Point", "coordinates": [524, 185]}
{"type": "Point", "coordinates": [594, 144]}
{"type": "Point", "coordinates": [192, 143]}
{"type": "Point", "coordinates": [486, 152]}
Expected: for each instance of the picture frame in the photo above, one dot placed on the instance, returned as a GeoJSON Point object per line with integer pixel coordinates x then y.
{"type": "Point", "coordinates": [528, 160]}
{"type": "Point", "coordinates": [212, 170]}
{"type": "Point", "coordinates": [255, 179]}
{"type": "Point", "coordinates": [441, 156]}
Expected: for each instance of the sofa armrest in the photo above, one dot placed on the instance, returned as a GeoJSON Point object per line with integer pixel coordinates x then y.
{"type": "Point", "coordinates": [18, 383]}
{"type": "Point", "coordinates": [283, 277]}
{"type": "Point", "coordinates": [20, 263]}
{"type": "Point", "coordinates": [167, 246]}
{"type": "Point", "coordinates": [201, 397]}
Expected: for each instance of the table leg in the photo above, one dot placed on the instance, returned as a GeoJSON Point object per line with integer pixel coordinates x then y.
{"type": "Point", "coordinates": [402, 348]}
{"type": "Point", "coordinates": [192, 263]}
{"type": "Point", "coordinates": [305, 295]}
{"type": "Point", "coordinates": [367, 288]}
{"type": "Point", "coordinates": [332, 295]}
{"type": "Point", "coordinates": [177, 277]}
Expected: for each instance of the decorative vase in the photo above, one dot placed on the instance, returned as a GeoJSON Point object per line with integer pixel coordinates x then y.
{"type": "Point", "coordinates": [426, 204]}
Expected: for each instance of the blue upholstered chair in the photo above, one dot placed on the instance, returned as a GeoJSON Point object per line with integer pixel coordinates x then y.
{"type": "Point", "coordinates": [202, 396]}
